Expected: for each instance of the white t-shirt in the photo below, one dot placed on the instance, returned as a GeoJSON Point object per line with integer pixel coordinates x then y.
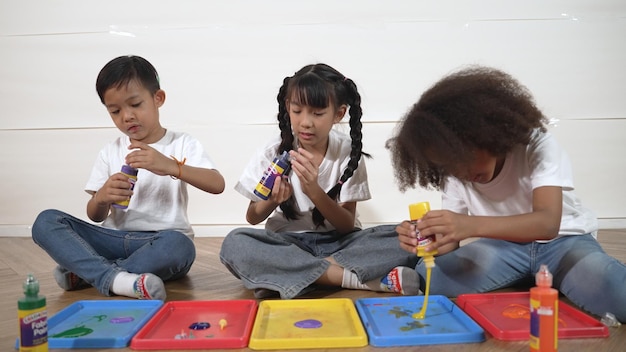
{"type": "Point", "coordinates": [541, 163]}
{"type": "Point", "coordinates": [158, 202]}
{"type": "Point", "coordinates": [355, 189]}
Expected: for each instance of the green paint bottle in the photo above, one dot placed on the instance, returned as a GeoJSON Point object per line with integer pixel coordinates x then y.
{"type": "Point", "coordinates": [32, 318]}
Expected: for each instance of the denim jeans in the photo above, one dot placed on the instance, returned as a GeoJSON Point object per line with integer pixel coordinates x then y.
{"type": "Point", "coordinates": [289, 263]}
{"type": "Point", "coordinates": [96, 254]}
{"type": "Point", "coordinates": [582, 271]}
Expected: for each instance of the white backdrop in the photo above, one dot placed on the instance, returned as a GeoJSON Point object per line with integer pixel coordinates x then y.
{"type": "Point", "coordinates": [221, 63]}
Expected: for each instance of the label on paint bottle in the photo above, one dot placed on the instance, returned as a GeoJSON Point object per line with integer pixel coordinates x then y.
{"type": "Point", "coordinates": [280, 166]}
{"type": "Point", "coordinates": [132, 178]}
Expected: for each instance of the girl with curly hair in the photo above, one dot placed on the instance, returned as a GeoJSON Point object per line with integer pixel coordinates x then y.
{"type": "Point", "coordinates": [478, 136]}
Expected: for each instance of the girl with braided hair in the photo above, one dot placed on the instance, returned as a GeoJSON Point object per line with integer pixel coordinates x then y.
{"type": "Point", "coordinates": [312, 235]}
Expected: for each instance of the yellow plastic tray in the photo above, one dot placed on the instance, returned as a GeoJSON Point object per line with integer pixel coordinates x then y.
{"type": "Point", "coordinates": [307, 323]}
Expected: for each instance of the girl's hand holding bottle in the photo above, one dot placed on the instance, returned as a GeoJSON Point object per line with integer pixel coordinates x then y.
{"type": "Point", "coordinates": [281, 191]}
{"type": "Point", "coordinates": [407, 236]}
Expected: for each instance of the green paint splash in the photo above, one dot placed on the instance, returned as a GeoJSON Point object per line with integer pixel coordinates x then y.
{"type": "Point", "coordinates": [74, 332]}
{"type": "Point", "coordinates": [399, 312]}
{"type": "Point", "coordinates": [413, 325]}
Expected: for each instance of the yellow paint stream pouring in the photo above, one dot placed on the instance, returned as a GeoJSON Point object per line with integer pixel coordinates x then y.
{"type": "Point", "coordinates": [430, 263]}
{"type": "Point", "coordinates": [416, 212]}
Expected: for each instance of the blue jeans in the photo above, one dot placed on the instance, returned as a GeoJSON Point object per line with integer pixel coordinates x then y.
{"type": "Point", "coordinates": [289, 263]}
{"type": "Point", "coordinates": [96, 254]}
{"type": "Point", "coordinates": [582, 271]}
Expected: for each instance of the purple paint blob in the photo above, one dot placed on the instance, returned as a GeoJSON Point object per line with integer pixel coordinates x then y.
{"type": "Point", "coordinates": [121, 320]}
{"type": "Point", "coordinates": [203, 325]}
{"type": "Point", "coordinates": [308, 324]}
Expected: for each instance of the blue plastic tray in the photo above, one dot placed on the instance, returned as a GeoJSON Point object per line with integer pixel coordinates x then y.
{"type": "Point", "coordinates": [390, 322]}
{"type": "Point", "coordinates": [99, 323]}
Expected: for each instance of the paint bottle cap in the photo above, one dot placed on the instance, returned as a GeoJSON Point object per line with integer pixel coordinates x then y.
{"type": "Point", "coordinates": [129, 170]}
{"type": "Point", "coordinates": [31, 299]}
{"type": "Point", "coordinates": [285, 156]}
{"type": "Point", "coordinates": [543, 277]}
{"type": "Point", "coordinates": [31, 286]}
{"type": "Point", "coordinates": [418, 210]}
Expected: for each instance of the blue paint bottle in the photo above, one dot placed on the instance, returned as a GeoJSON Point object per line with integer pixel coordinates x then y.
{"type": "Point", "coordinates": [280, 166]}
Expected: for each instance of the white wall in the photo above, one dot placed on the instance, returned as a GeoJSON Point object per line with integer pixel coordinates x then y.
{"type": "Point", "coordinates": [222, 62]}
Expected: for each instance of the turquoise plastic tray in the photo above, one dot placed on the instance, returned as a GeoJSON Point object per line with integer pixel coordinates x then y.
{"type": "Point", "coordinates": [390, 322]}
{"type": "Point", "coordinates": [99, 323]}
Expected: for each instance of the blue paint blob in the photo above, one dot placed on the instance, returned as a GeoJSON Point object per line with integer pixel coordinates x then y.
{"type": "Point", "coordinates": [203, 325]}
{"type": "Point", "coordinates": [308, 324]}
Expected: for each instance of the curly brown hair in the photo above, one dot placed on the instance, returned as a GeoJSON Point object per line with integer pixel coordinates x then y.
{"type": "Point", "coordinates": [476, 108]}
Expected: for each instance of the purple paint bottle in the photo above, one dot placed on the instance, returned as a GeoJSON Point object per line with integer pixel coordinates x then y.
{"type": "Point", "coordinates": [132, 178]}
{"type": "Point", "coordinates": [280, 166]}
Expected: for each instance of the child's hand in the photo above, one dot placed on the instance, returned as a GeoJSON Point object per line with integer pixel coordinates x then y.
{"type": "Point", "coordinates": [115, 189]}
{"type": "Point", "coordinates": [306, 170]}
{"type": "Point", "coordinates": [145, 157]}
{"type": "Point", "coordinates": [407, 236]}
{"type": "Point", "coordinates": [449, 227]}
{"type": "Point", "coordinates": [281, 191]}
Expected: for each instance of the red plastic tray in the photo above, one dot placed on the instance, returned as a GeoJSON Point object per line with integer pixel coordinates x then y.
{"type": "Point", "coordinates": [506, 316]}
{"type": "Point", "coordinates": [176, 326]}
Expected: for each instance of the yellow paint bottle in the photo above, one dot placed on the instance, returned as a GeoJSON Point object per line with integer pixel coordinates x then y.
{"type": "Point", "coordinates": [32, 318]}
{"type": "Point", "coordinates": [416, 212]}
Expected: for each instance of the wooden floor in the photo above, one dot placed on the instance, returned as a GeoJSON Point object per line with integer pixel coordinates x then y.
{"type": "Point", "coordinates": [209, 280]}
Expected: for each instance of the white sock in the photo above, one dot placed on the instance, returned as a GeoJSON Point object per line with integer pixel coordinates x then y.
{"type": "Point", "coordinates": [351, 281]}
{"type": "Point", "coordinates": [141, 286]}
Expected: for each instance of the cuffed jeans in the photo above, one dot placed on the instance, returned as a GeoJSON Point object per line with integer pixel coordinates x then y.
{"type": "Point", "coordinates": [291, 262]}
{"type": "Point", "coordinates": [96, 254]}
{"type": "Point", "coordinates": [582, 271]}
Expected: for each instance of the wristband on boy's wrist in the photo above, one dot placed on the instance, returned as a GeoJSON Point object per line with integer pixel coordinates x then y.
{"type": "Point", "coordinates": [180, 167]}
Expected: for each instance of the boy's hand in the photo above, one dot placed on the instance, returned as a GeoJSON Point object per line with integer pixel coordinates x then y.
{"type": "Point", "coordinates": [145, 157]}
{"type": "Point", "coordinates": [115, 189]}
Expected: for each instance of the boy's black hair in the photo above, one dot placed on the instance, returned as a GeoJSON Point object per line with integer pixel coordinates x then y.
{"type": "Point", "coordinates": [477, 108]}
{"type": "Point", "coordinates": [122, 70]}
{"type": "Point", "coordinates": [319, 86]}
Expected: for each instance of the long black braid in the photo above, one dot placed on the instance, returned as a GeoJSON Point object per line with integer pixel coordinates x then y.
{"type": "Point", "coordinates": [318, 86]}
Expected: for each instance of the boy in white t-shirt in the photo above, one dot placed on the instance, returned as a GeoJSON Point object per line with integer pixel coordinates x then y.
{"type": "Point", "coordinates": [150, 241]}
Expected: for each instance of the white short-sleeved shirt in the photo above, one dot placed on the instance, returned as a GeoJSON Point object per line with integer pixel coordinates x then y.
{"type": "Point", "coordinates": [355, 189]}
{"type": "Point", "coordinates": [540, 163]}
{"type": "Point", "coordinates": [158, 202]}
